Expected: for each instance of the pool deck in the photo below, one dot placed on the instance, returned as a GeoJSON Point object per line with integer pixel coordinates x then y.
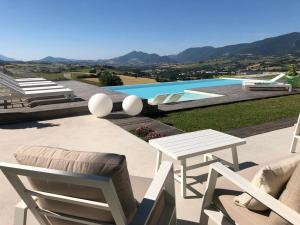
{"type": "Point", "coordinates": [83, 91]}
{"type": "Point", "coordinates": [230, 94]}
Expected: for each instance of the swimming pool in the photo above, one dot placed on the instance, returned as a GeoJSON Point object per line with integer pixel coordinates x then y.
{"type": "Point", "coordinates": [149, 91]}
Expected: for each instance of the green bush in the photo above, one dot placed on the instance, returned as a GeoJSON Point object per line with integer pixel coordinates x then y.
{"type": "Point", "coordinates": [108, 79]}
{"type": "Point", "coordinates": [292, 70]}
{"type": "Point", "coordinates": [93, 70]}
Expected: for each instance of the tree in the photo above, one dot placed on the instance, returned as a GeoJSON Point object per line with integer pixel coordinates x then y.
{"type": "Point", "coordinates": [106, 78]}
{"type": "Point", "coordinates": [93, 70]}
{"type": "Point", "coordinates": [292, 70]}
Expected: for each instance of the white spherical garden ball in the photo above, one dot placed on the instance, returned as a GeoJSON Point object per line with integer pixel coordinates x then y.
{"type": "Point", "coordinates": [132, 105]}
{"type": "Point", "coordinates": [100, 105]}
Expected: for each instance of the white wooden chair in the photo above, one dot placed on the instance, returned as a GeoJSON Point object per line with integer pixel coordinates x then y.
{"type": "Point", "coordinates": [296, 136]}
{"type": "Point", "coordinates": [163, 183]}
{"type": "Point", "coordinates": [209, 211]}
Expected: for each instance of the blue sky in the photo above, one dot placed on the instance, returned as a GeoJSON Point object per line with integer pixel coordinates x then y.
{"type": "Point", "coordinates": [100, 29]}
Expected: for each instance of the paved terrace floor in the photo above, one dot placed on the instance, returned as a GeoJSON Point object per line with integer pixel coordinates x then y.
{"type": "Point", "coordinates": [87, 133]}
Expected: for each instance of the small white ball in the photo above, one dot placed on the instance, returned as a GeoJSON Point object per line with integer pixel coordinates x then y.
{"type": "Point", "coordinates": [132, 105]}
{"type": "Point", "coordinates": [100, 105]}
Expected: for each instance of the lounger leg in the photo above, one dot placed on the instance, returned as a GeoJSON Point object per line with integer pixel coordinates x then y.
{"type": "Point", "coordinates": [158, 160]}
{"type": "Point", "coordinates": [21, 214]}
{"type": "Point", "coordinates": [235, 159]}
{"type": "Point", "coordinates": [294, 145]}
{"type": "Point", "coordinates": [183, 178]}
{"type": "Point", "coordinates": [5, 104]}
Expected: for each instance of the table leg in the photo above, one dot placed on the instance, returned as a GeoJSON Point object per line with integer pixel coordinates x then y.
{"type": "Point", "coordinates": [183, 178]}
{"type": "Point", "coordinates": [235, 159]}
{"type": "Point", "coordinates": [158, 160]}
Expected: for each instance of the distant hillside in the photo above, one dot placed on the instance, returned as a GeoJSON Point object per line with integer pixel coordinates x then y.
{"type": "Point", "coordinates": [51, 59]}
{"type": "Point", "coordinates": [4, 58]}
{"type": "Point", "coordinates": [275, 46]}
{"type": "Point", "coordinates": [140, 58]}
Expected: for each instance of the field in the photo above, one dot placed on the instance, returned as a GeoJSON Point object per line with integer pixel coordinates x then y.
{"type": "Point", "coordinates": [127, 80]}
{"type": "Point", "coordinates": [233, 116]}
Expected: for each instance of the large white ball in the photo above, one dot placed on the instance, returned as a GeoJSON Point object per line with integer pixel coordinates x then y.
{"type": "Point", "coordinates": [132, 105]}
{"type": "Point", "coordinates": [100, 105]}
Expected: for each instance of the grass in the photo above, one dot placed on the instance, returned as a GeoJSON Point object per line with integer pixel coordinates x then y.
{"type": "Point", "coordinates": [127, 80]}
{"type": "Point", "coordinates": [51, 76]}
{"type": "Point", "coordinates": [236, 115]}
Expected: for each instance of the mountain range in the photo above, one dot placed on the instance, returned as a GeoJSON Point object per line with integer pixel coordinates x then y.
{"type": "Point", "coordinates": [274, 46]}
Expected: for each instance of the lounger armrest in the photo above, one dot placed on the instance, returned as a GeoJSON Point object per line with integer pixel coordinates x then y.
{"type": "Point", "coordinates": [163, 181]}
{"type": "Point", "coordinates": [271, 202]}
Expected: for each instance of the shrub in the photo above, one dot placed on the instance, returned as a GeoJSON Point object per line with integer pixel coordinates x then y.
{"type": "Point", "coordinates": [152, 135]}
{"type": "Point", "coordinates": [108, 79]}
{"type": "Point", "coordinates": [93, 70]}
{"type": "Point", "coordinates": [143, 131]}
{"type": "Point", "coordinates": [292, 70]}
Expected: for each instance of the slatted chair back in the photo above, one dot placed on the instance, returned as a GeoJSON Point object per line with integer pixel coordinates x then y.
{"type": "Point", "coordinates": [105, 184]}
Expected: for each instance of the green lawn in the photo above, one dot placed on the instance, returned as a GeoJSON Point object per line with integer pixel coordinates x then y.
{"type": "Point", "coordinates": [236, 115]}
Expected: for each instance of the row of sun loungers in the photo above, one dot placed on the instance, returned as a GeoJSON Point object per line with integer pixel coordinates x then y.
{"type": "Point", "coordinates": [28, 88]}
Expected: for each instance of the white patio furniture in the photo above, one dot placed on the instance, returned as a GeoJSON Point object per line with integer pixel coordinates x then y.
{"type": "Point", "coordinates": [296, 136]}
{"type": "Point", "coordinates": [159, 99]}
{"type": "Point", "coordinates": [267, 87]}
{"type": "Point", "coordinates": [174, 98]}
{"type": "Point", "coordinates": [183, 146]}
{"type": "Point", "coordinates": [157, 207]}
{"type": "Point", "coordinates": [27, 93]}
{"type": "Point", "coordinates": [218, 202]}
{"type": "Point", "coordinates": [25, 82]}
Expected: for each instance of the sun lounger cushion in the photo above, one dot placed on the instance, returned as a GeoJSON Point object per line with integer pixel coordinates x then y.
{"type": "Point", "coordinates": [271, 179]}
{"type": "Point", "coordinates": [290, 197]}
{"type": "Point", "coordinates": [92, 163]}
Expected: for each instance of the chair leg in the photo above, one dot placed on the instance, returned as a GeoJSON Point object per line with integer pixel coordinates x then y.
{"type": "Point", "coordinates": [294, 144]}
{"type": "Point", "coordinates": [21, 214]}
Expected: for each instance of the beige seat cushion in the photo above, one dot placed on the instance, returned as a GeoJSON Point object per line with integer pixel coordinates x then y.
{"type": "Point", "coordinates": [290, 197]}
{"type": "Point", "coordinates": [270, 179]}
{"type": "Point", "coordinates": [102, 164]}
{"type": "Point", "coordinates": [224, 199]}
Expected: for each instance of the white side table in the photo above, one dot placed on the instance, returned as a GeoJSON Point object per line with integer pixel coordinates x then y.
{"type": "Point", "coordinates": [183, 146]}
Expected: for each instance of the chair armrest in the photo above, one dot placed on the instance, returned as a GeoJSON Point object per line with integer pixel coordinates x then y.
{"type": "Point", "coordinates": [163, 181]}
{"type": "Point", "coordinates": [271, 202]}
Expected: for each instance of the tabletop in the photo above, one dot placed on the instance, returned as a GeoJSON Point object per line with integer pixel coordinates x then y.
{"type": "Point", "coordinates": [187, 145]}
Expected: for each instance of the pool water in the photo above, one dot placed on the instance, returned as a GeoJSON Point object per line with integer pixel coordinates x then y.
{"type": "Point", "coordinates": [149, 91]}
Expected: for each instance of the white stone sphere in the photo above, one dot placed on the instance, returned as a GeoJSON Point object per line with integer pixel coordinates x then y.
{"type": "Point", "coordinates": [132, 105]}
{"type": "Point", "coordinates": [100, 105]}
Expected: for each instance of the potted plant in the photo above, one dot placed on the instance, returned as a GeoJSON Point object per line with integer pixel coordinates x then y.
{"type": "Point", "coordinates": [292, 76]}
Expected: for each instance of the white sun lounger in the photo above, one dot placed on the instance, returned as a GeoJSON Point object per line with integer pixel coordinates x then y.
{"type": "Point", "coordinates": [159, 99]}
{"type": "Point", "coordinates": [267, 87]}
{"type": "Point", "coordinates": [37, 92]}
{"type": "Point", "coordinates": [26, 82]}
{"type": "Point", "coordinates": [174, 98]}
{"type": "Point", "coordinates": [273, 80]}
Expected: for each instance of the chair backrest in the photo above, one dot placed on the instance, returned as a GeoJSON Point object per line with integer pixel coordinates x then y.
{"type": "Point", "coordinates": [7, 78]}
{"type": "Point", "coordinates": [11, 85]}
{"type": "Point", "coordinates": [75, 185]}
{"type": "Point", "coordinates": [159, 99]}
{"type": "Point", "coordinates": [277, 77]}
{"type": "Point", "coordinates": [104, 184]}
{"type": "Point", "coordinates": [174, 98]}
